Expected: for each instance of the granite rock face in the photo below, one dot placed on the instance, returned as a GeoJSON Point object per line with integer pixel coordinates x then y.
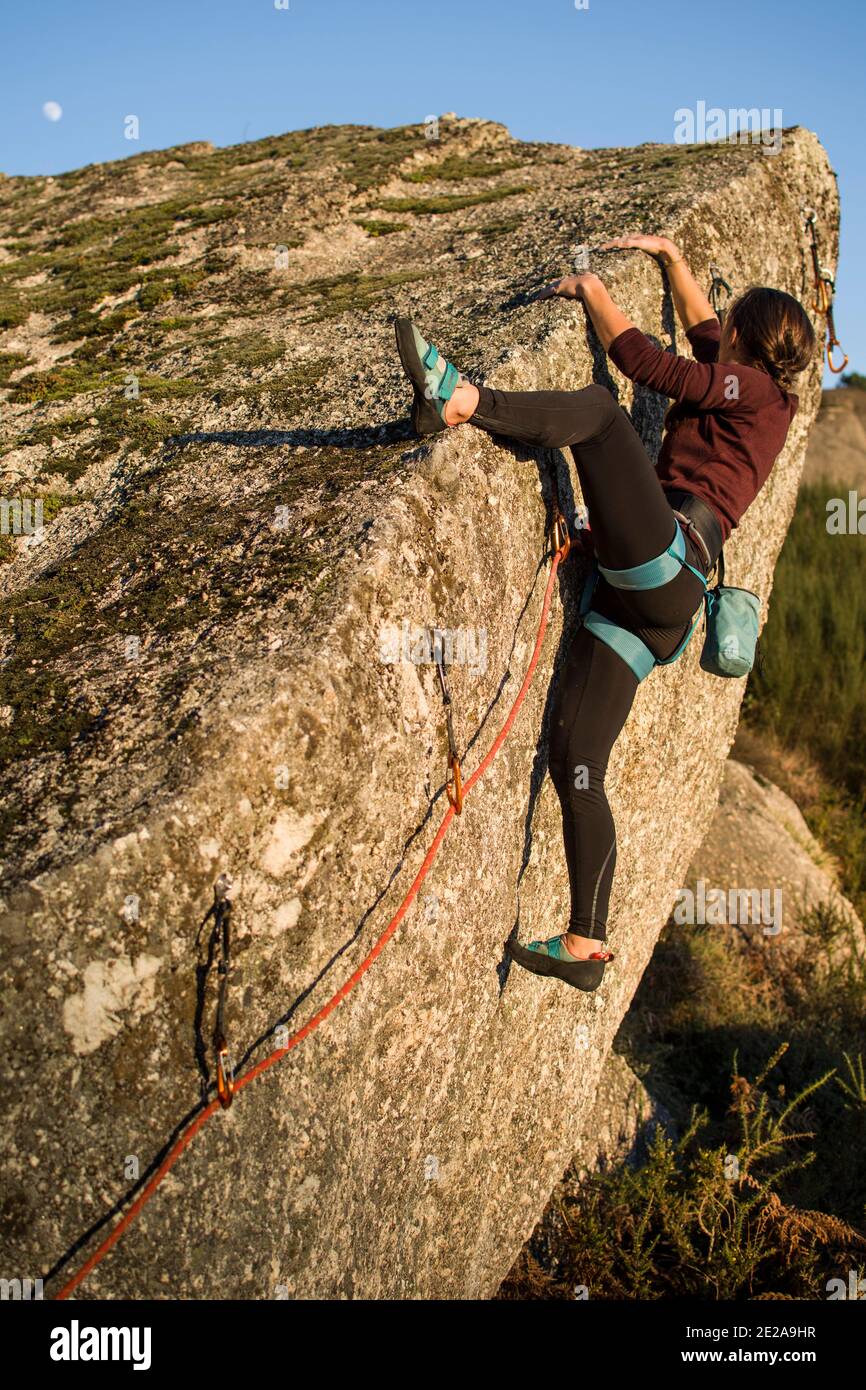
{"type": "Point", "coordinates": [759, 841]}
{"type": "Point", "coordinates": [192, 685]}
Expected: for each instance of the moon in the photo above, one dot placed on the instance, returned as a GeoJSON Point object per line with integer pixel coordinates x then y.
{"type": "Point", "coordinates": [52, 110]}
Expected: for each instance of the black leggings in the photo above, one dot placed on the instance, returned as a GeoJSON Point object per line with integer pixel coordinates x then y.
{"type": "Point", "coordinates": [631, 522]}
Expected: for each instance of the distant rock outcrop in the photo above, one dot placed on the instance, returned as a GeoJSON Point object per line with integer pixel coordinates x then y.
{"type": "Point", "coordinates": [759, 841]}
{"type": "Point", "coordinates": [203, 394]}
{"type": "Point", "coordinates": [837, 446]}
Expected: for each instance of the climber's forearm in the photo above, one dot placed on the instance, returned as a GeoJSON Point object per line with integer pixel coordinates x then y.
{"type": "Point", "coordinates": [607, 320]}
{"type": "Point", "coordinates": [690, 302]}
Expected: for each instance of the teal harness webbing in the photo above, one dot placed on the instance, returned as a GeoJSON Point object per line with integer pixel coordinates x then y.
{"type": "Point", "coordinates": [651, 575]}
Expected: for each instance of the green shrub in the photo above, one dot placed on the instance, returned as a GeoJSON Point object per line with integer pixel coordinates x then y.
{"type": "Point", "coordinates": [697, 1220]}
{"type": "Point", "coordinates": [11, 362]}
{"type": "Point", "coordinates": [455, 167]}
{"type": "Point", "coordinates": [450, 202]}
{"type": "Point", "coordinates": [374, 228]}
{"type": "Point", "coordinates": [706, 997]}
{"type": "Point", "coordinates": [162, 285]}
{"type": "Point", "coordinates": [66, 379]}
{"type": "Point", "coordinates": [13, 311]}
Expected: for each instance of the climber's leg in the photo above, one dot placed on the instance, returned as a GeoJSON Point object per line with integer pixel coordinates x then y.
{"type": "Point", "coordinates": [630, 517]}
{"type": "Point", "coordinates": [546, 419]}
{"type": "Point", "coordinates": [594, 695]}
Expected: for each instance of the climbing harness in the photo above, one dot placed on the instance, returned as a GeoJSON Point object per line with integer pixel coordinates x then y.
{"type": "Point", "coordinates": [718, 286]}
{"type": "Point", "coordinates": [825, 289]}
{"type": "Point", "coordinates": [220, 937]}
{"type": "Point", "coordinates": [454, 789]}
{"type": "Point", "coordinates": [732, 615]}
{"type": "Point", "coordinates": [650, 575]}
{"type": "Point", "coordinates": [559, 551]}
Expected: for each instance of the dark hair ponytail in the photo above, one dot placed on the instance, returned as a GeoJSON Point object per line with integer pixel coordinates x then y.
{"type": "Point", "coordinates": [774, 332]}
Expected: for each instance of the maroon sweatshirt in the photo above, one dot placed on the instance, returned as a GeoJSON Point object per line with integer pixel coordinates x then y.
{"type": "Point", "coordinates": [728, 425]}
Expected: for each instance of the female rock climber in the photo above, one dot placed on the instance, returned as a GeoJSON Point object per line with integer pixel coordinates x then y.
{"type": "Point", "coordinates": [732, 410]}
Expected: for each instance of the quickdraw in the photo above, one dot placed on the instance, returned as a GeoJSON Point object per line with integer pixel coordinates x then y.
{"type": "Point", "coordinates": [221, 911]}
{"type": "Point", "coordinates": [453, 788]}
{"type": "Point", "coordinates": [718, 284]}
{"type": "Point", "coordinates": [825, 289]}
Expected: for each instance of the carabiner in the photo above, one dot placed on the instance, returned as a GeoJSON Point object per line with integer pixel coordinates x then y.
{"type": "Point", "coordinates": [560, 537]}
{"type": "Point", "coordinates": [831, 344]}
{"type": "Point", "coordinates": [824, 288]}
{"type": "Point", "coordinates": [225, 1074]}
{"type": "Point", "coordinates": [456, 796]}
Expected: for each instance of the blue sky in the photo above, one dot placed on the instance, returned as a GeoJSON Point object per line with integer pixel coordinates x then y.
{"type": "Point", "coordinates": [610, 74]}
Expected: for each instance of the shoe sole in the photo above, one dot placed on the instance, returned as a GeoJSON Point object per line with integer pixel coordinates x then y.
{"type": "Point", "coordinates": [586, 975]}
{"type": "Point", "coordinates": [425, 417]}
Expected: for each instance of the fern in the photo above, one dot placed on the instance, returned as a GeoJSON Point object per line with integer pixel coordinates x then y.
{"type": "Point", "coordinates": [857, 1088]}
{"type": "Point", "coordinates": [678, 1226]}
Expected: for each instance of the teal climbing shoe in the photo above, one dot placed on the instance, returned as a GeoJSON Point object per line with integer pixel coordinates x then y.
{"type": "Point", "coordinates": [552, 957]}
{"type": "Point", "coordinates": [433, 379]}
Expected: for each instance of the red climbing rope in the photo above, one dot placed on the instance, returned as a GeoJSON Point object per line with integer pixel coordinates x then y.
{"type": "Point", "coordinates": [267, 1062]}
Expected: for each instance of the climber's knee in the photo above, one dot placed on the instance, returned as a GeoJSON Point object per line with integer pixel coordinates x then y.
{"type": "Point", "coordinates": [588, 775]}
{"type": "Point", "coordinates": [604, 407]}
{"type": "Point", "coordinates": [589, 415]}
{"type": "Point", "coordinates": [572, 771]}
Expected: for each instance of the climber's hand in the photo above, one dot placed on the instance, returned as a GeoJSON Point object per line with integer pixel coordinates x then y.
{"type": "Point", "coordinates": [660, 246]}
{"type": "Point", "coordinates": [690, 302]}
{"type": "Point", "coordinates": [570, 286]}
